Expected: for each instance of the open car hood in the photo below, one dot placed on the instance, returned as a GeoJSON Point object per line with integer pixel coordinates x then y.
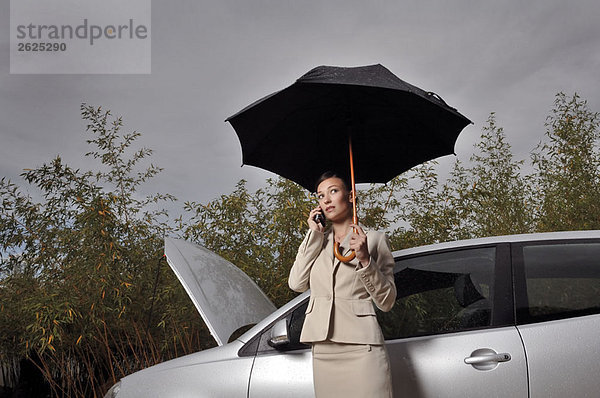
{"type": "Point", "coordinates": [225, 296]}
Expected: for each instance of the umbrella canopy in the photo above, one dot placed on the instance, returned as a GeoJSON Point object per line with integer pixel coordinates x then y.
{"type": "Point", "coordinates": [304, 129]}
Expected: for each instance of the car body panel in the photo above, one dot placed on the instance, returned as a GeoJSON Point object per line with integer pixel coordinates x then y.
{"type": "Point", "coordinates": [226, 297]}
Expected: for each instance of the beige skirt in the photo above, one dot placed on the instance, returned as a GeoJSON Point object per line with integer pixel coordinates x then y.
{"type": "Point", "coordinates": [351, 370]}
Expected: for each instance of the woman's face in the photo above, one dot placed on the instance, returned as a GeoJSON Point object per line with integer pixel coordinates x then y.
{"type": "Point", "coordinates": [334, 199]}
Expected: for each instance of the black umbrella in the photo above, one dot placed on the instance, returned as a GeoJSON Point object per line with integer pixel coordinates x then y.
{"type": "Point", "coordinates": [388, 125]}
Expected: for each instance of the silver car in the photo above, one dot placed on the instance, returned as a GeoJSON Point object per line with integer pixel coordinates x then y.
{"type": "Point", "coordinates": [510, 316]}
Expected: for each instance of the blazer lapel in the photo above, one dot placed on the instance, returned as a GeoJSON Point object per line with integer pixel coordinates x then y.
{"type": "Point", "coordinates": [329, 245]}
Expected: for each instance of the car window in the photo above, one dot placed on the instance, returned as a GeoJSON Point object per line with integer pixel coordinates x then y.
{"type": "Point", "coordinates": [441, 293]}
{"type": "Point", "coordinates": [562, 281]}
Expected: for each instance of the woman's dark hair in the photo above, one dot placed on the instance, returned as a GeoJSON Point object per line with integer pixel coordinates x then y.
{"type": "Point", "coordinates": [332, 174]}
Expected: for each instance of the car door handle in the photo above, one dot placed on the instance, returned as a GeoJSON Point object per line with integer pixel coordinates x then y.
{"type": "Point", "coordinates": [486, 359]}
{"type": "Point", "coordinates": [481, 359]}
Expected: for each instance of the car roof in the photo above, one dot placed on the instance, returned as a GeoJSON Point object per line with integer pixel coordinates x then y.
{"type": "Point", "coordinates": [540, 236]}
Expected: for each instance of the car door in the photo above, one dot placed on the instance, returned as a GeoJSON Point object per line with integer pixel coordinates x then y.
{"type": "Point", "coordinates": [558, 315]}
{"type": "Point", "coordinates": [451, 332]}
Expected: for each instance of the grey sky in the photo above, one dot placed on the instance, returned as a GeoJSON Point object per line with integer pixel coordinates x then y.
{"type": "Point", "coordinates": [210, 59]}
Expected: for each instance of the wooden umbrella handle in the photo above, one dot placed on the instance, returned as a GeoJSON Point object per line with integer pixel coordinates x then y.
{"type": "Point", "coordinates": [338, 255]}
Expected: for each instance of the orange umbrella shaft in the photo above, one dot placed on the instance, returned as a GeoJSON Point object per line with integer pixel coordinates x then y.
{"type": "Point", "coordinates": [355, 215]}
{"type": "Point", "coordinates": [336, 245]}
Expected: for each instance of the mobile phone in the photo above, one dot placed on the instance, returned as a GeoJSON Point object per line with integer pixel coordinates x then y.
{"type": "Point", "coordinates": [320, 218]}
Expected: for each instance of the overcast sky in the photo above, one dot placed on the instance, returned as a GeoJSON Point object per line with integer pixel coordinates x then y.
{"type": "Point", "coordinates": [210, 59]}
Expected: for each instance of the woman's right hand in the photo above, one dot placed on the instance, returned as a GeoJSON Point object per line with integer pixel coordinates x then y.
{"type": "Point", "coordinates": [312, 224]}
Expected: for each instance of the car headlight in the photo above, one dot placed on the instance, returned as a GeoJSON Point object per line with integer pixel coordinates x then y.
{"type": "Point", "coordinates": [113, 392]}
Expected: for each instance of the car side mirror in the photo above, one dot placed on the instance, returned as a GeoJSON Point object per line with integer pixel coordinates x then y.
{"type": "Point", "coordinates": [279, 334]}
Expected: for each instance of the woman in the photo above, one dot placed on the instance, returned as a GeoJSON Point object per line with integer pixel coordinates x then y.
{"type": "Point", "coordinates": [349, 356]}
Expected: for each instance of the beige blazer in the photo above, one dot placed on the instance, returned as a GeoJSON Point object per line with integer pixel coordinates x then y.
{"type": "Point", "coordinates": [342, 294]}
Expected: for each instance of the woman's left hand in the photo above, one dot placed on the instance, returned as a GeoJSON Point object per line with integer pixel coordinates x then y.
{"type": "Point", "coordinates": [358, 243]}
